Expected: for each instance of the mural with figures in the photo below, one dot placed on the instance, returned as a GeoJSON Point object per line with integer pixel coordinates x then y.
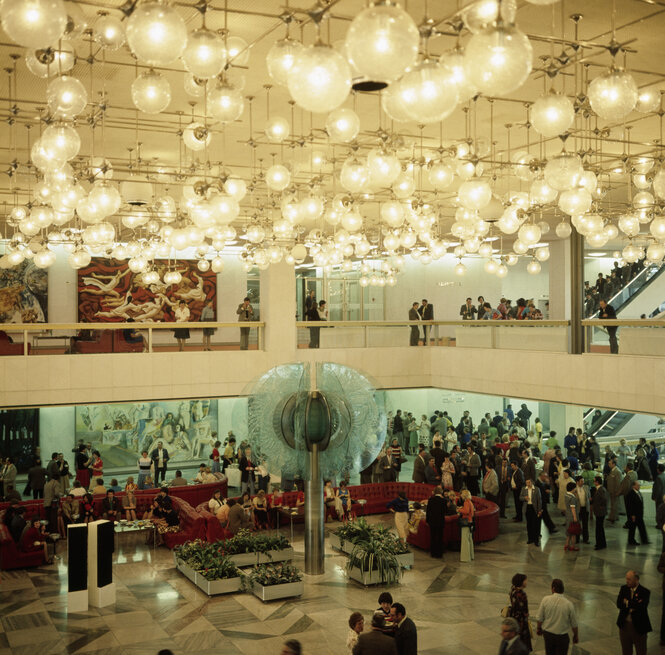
{"type": "Point", "coordinates": [23, 294]}
{"type": "Point", "coordinates": [108, 291]}
{"type": "Point", "coordinates": [121, 432]}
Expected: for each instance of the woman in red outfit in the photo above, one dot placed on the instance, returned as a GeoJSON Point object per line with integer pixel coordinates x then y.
{"type": "Point", "coordinates": [34, 539]}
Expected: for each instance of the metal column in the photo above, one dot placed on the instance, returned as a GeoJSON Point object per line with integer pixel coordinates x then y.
{"type": "Point", "coordinates": [314, 532]}
{"type": "Point", "coordinates": [576, 287]}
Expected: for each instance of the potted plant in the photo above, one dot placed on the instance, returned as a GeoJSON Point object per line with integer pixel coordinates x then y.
{"type": "Point", "coordinates": [374, 561]}
{"type": "Point", "coordinates": [220, 576]}
{"type": "Point", "coordinates": [344, 537]}
{"type": "Point", "coordinates": [272, 581]}
{"type": "Point", "coordinates": [187, 557]}
{"type": "Point", "coordinates": [247, 549]}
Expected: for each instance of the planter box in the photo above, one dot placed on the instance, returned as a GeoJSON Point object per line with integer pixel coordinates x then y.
{"type": "Point", "coordinates": [336, 543]}
{"type": "Point", "coordinates": [273, 592]}
{"type": "Point", "coordinates": [187, 571]}
{"type": "Point", "coordinates": [406, 560]}
{"type": "Point", "coordinates": [251, 559]}
{"type": "Point", "coordinates": [214, 587]}
{"type": "Point", "coordinates": [365, 578]}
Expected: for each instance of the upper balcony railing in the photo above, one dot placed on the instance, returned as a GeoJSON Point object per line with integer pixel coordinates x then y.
{"type": "Point", "coordinates": [86, 338]}
{"type": "Point", "coordinates": [635, 337]}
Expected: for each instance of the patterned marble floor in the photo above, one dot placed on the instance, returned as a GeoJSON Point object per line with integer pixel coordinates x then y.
{"type": "Point", "coordinates": [455, 606]}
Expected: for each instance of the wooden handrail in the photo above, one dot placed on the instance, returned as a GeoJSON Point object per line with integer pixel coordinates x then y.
{"type": "Point", "coordinates": [144, 325]}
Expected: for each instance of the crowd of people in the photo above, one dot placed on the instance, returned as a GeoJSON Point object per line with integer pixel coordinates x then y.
{"type": "Point", "coordinates": [607, 285]}
{"type": "Point", "coordinates": [522, 310]}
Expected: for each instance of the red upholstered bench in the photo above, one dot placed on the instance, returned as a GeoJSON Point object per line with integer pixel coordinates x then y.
{"type": "Point", "coordinates": [213, 528]}
{"type": "Point", "coordinates": [13, 558]}
{"type": "Point", "coordinates": [486, 526]}
{"type": "Point", "coordinates": [192, 524]}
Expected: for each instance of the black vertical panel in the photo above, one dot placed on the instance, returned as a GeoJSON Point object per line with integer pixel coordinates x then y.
{"type": "Point", "coordinates": [77, 548]}
{"type": "Point", "coordinates": [104, 553]}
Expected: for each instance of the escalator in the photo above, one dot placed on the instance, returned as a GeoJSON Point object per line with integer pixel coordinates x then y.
{"type": "Point", "coordinates": [608, 423]}
{"type": "Point", "coordinates": [641, 295]}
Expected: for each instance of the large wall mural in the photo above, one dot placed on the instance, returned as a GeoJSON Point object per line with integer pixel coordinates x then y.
{"type": "Point", "coordinates": [108, 291]}
{"type": "Point", "coordinates": [122, 431]}
{"type": "Point", "coordinates": [23, 294]}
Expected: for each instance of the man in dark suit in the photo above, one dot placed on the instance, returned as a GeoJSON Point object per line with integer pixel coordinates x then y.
{"type": "Point", "coordinates": [635, 514]}
{"type": "Point", "coordinates": [599, 509]}
{"type": "Point", "coordinates": [436, 519]}
{"type": "Point", "coordinates": [160, 458]}
{"type": "Point", "coordinates": [437, 452]}
{"type": "Point", "coordinates": [375, 642]}
{"type": "Point", "coordinates": [419, 464]}
{"type": "Point", "coordinates": [405, 633]}
{"type": "Point", "coordinates": [528, 466]}
{"type": "Point", "coordinates": [633, 620]}
{"type": "Point", "coordinates": [415, 330]}
{"type": "Point", "coordinates": [511, 644]}
{"type": "Point", "coordinates": [530, 496]}
{"type": "Point", "coordinates": [246, 467]}
{"type": "Point", "coordinates": [544, 487]}
{"type": "Point", "coordinates": [516, 484]}
{"type": "Point", "coordinates": [426, 312]}
{"type": "Point", "coordinates": [503, 472]}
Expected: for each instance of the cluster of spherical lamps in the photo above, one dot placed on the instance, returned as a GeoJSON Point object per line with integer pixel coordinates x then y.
{"type": "Point", "coordinates": [382, 46]}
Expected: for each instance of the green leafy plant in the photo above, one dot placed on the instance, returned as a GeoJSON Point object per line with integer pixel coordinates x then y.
{"type": "Point", "coordinates": [360, 531]}
{"type": "Point", "coordinates": [208, 559]}
{"type": "Point", "coordinates": [268, 575]}
{"type": "Point", "coordinates": [246, 542]}
{"type": "Point", "coordinates": [220, 569]}
{"type": "Point", "coordinates": [376, 554]}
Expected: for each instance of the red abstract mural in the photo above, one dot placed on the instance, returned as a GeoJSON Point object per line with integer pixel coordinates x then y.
{"type": "Point", "coordinates": [109, 292]}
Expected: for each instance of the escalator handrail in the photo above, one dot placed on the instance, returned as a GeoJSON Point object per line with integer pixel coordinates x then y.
{"type": "Point", "coordinates": [641, 276]}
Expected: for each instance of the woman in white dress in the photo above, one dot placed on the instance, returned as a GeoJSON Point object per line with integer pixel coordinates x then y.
{"type": "Point", "coordinates": [181, 313]}
{"type": "Point", "coordinates": [447, 472]}
{"type": "Point", "coordinates": [424, 430]}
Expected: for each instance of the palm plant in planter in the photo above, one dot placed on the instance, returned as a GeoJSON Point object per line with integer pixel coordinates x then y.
{"type": "Point", "coordinates": [374, 560]}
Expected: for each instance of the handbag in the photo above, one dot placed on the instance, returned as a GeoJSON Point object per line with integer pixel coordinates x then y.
{"type": "Point", "coordinates": [402, 459]}
{"type": "Point", "coordinates": [574, 528]}
{"type": "Point", "coordinates": [506, 611]}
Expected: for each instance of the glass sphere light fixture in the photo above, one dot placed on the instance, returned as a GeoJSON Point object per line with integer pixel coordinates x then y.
{"type": "Point", "coordinates": [278, 177]}
{"type": "Point", "coordinates": [225, 102]}
{"type": "Point", "coordinates": [151, 92]}
{"type": "Point", "coordinates": [277, 129]}
{"type": "Point", "coordinates": [204, 55]}
{"type": "Point", "coordinates": [52, 61]}
{"type": "Point", "coordinates": [156, 33]}
{"type": "Point", "coordinates": [66, 97]}
{"type": "Point", "coordinates": [109, 32]}
{"type": "Point", "coordinates": [382, 42]}
{"type": "Point", "coordinates": [552, 114]}
{"type": "Point", "coordinates": [196, 136]}
{"type": "Point", "coordinates": [34, 23]}
{"type": "Point", "coordinates": [343, 125]}
{"type": "Point", "coordinates": [613, 95]}
{"type": "Point", "coordinates": [320, 79]}
{"type": "Point", "coordinates": [499, 59]}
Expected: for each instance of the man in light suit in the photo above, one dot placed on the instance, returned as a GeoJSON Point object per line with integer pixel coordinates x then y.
{"type": "Point", "coordinates": [533, 504]}
{"type": "Point", "coordinates": [511, 644]}
{"type": "Point", "coordinates": [419, 465]}
{"type": "Point", "coordinates": [406, 635]}
{"type": "Point", "coordinates": [245, 314]}
{"type": "Point", "coordinates": [614, 489]}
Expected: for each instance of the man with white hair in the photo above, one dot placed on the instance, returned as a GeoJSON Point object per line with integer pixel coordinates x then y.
{"type": "Point", "coordinates": [511, 644]}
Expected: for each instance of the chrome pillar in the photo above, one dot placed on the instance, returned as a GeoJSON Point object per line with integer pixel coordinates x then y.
{"type": "Point", "coordinates": [576, 297]}
{"type": "Point", "coordinates": [314, 542]}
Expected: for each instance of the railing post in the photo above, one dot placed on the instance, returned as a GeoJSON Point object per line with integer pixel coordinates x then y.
{"type": "Point", "coordinates": [149, 339]}
{"type": "Point", "coordinates": [25, 342]}
{"type": "Point", "coordinates": [365, 330]}
{"type": "Point", "coordinates": [259, 337]}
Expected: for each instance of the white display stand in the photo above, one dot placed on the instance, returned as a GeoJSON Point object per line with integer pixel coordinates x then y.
{"type": "Point", "coordinates": [97, 596]}
{"type": "Point", "coordinates": [233, 476]}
